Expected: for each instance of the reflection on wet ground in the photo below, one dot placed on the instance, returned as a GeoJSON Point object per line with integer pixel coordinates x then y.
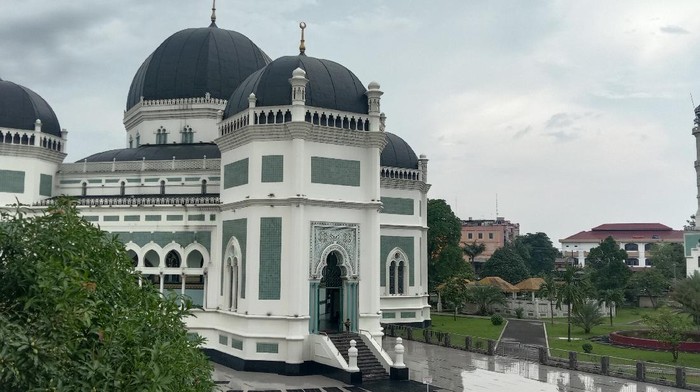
{"type": "Point", "coordinates": [458, 370]}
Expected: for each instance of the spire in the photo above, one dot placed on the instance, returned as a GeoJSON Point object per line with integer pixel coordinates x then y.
{"type": "Point", "coordinates": [213, 14]}
{"type": "Point", "coordinates": [302, 47]}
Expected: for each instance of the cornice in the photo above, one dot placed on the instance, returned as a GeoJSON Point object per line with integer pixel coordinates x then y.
{"type": "Point", "coordinates": [298, 201]}
{"type": "Point", "coordinates": [25, 151]}
{"type": "Point", "coordinates": [394, 183]}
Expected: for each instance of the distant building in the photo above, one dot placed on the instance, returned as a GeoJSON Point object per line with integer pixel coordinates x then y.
{"type": "Point", "coordinates": [635, 238]}
{"type": "Point", "coordinates": [492, 233]}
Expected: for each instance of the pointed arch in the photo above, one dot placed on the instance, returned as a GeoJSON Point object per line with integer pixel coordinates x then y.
{"type": "Point", "coordinates": [345, 265]}
{"type": "Point", "coordinates": [396, 267]}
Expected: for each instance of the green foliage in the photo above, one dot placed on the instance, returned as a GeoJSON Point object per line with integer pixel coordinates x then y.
{"type": "Point", "coordinates": [669, 259]}
{"type": "Point", "coordinates": [485, 296]}
{"type": "Point", "coordinates": [540, 253]}
{"type": "Point", "coordinates": [611, 298]}
{"type": "Point", "coordinates": [587, 348]}
{"type": "Point", "coordinates": [649, 282]}
{"type": "Point", "coordinates": [549, 291]}
{"type": "Point", "coordinates": [587, 315]}
{"type": "Point", "coordinates": [606, 263]}
{"type": "Point", "coordinates": [444, 252]}
{"type": "Point", "coordinates": [519, 312]}
{"type": "Point", "coordinates": [687, 293]}
{"type": "Point", "coordinates": [571, 292]}
{"type": "Point", "coordinates": [474, 249]}
{"type": "Point", "coordinates": [73, 317]}
{"type": "Point", "coordinates": [454, 292]}
{"type": "Point", "coordinates": [496, 319]}
{"type": "Point", "coordinates": [668, 327]}
{"type": "Point", "coordinates": [507, 264]}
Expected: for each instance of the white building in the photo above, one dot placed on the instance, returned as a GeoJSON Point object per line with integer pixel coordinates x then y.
{"type": "Point", "coordinates": [691, 237]}
{"type": "Point", "coordinates": [268, 191]}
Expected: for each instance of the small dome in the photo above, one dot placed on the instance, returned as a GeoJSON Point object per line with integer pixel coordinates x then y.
{"type": "Point", "coordinates": [331, 86]}
{"type": "Point", "coordinates": [193, 62]}
{"type": "Point", "coordinates": [397, 153]}
{"type": "Point", "coordinates": [158, 152]}
{"type": "Point", "coordinates": [20, 107]}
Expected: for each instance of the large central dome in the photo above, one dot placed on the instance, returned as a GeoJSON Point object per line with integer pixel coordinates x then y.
{"type": "Point", "coordinates": [193, 62]}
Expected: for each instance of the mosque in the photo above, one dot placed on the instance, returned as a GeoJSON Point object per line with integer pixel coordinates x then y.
{"type": "Point", "coordinates": [268, 191]}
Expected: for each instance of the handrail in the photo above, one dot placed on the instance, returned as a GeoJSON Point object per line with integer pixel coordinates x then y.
{"type": "Point", "coordinates": [375, 341]}
{"type": "Point", "coordinates": [337, 352]}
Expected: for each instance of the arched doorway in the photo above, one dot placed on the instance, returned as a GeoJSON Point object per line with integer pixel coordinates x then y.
{"type": "Point", "coordinates": [331, 312]}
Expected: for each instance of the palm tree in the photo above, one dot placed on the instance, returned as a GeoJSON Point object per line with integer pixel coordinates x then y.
{"type": "Point", "coordinates": [570, 293]}
{"type": "Point", "coordinates": [611, 298]}
{"type": "Point", "coordinates": [485, 296]}
{"type": "Point", "coordinates": [472, 250]}
{"type": "Point", "coordinates": [587, 316]}
{"type": "Point", "coordinates": [549, 290]}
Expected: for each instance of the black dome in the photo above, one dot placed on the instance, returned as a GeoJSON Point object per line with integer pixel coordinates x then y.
{"type": "Point", "coordinates": [193, 62]}
{"type": "Point", "coordinates": [397, 153]}
{"type": "Point", "coordinates": [158, 152]}
{"type": "Point", "coordinates": [20, 107]}
{"type": "Point", "coordinates": [331, 86]}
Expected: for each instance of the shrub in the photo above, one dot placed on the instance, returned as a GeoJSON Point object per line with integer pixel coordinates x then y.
{"type": "Point", "coordinates": [496, 319]}
{"type": "Point", "coordinates": [519, 312]}
{"type": "Point", "coordinates": [587, 348]}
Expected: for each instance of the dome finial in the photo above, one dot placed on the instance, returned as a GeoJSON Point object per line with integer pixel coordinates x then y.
{"type": "Point", "coordinates": [213, 14]}
{"type": "Point", "coordinates": [302, 47]}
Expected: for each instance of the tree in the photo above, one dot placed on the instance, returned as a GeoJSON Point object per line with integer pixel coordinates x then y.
{"type": "Point", "coordinates": [474, 249]}
{"type": "Point", "coordinates": [587, 315]}
{"type": "Point", "coordinates": [444, 253]}
{"type": "Point", "coordinates": [668, 327]}
{"type": "Point", "coordinates": [454, 292]}
{"type": "Point", "coordinates": [612, 298]}
{"type": "Point", "coordinates": [687, 293]}
{"type": "Point", "coordinates": [73, 317]}
{"type": "Point", "coordinates": [540, 252]}
{"type": "Point", "coordinates": [649, 282]}
{"type": "Point", "coordinates": [669, 259]}
{"type": "Point", "coordinates": [607, 265]}
{"type": "Point", "coordinates": [549, 290]}
{"type": "Point", "coordinates": [571, 293]}
{"type": "Point", "coordinates": [507, 264]}
{"type": "Point", "coordinates": [484, 297]}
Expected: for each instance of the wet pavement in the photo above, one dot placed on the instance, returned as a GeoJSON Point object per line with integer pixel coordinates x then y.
{"type": "Point", "coordinates": [524, 331]}
{"type": "Point", "coordinates": [450, 370]}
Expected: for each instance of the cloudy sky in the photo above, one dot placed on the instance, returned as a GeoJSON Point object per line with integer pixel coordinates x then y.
{"type": "Point", "coordinates": [570, 113]}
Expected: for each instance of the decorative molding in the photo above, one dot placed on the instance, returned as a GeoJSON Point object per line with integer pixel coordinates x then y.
{"type": "Point", "coordinates": [209, 166]}
{"type": "Point", "coordinates": [139, 200]}
{"type": "Point", "coordinates": [395, 183]}
{"type": "Point", "coordinates": [297, 201]}
{"type": "Point", "coordinates": [327, 237]}
{"type": "Point", "coordinates": [26, 151]}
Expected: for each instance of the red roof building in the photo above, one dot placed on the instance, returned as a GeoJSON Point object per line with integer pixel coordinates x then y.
{"type": "Point", "coordinates": [636, 238]}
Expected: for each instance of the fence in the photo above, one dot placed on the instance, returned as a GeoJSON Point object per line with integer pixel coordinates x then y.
{"type": "Point", "coordinates": [650, 372]}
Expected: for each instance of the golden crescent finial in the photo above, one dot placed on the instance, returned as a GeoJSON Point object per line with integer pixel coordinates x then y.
{"type": "Point", "coordinates": [302, 47]}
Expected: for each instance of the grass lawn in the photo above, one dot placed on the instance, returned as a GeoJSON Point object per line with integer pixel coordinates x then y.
{"type": "Point", "coordinates": [626, 319]}
{"type": "Point", "coordinates": [467, 326]}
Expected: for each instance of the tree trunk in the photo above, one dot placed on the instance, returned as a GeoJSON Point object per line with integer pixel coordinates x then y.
{"type": "Point", "coordinates": [551, 310]}
{"type": "Point", "coordinates": [455, 315]}
{"type": "Point", "coordinates": [568, 327]}
{"type": "Point", "coordinates": [610, 311]}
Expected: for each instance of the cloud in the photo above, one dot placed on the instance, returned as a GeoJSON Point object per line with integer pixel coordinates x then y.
{"type": "Point", "coordinates": [673, 29]}
{"type": "Point", "coordinates": [522, 132]}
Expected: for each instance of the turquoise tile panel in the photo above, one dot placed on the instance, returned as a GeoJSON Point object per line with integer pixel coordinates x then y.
{"type": "Point", "coordinates": [335, 171]}
{"type": "Point", "coordinates": [691, 240]}
{"type": "Point", "coordinates": [387, 243]}
{"type": "Point", "coordinates": [236, 174]}
{"type": "Point", "coordinates": [132, 218]}
{"type": "Point", "coordinates": [91, 218]}
{"type": "Point", "coordinates": [153, 218]}
{"type": "Point", "coordinates": [133, 180]}
{"type": "Point", "coordinates": [269, 280]}
{"type": "Point", "coordinates": [45, 184]}
{"type": "Point", "coordinates": [272, 348]}
{"type": "Point", "coordinates": [272, 168]}
{"type": "Point", "coordinates": [11, 181]}
{"type": "Point", "coordinates": [196, 217]}
{"type": "Point", "coordinates": [192, 179]}
{"type": "Point", "coordinates": [408, 314]}
{"type": "Point", "coordinates": [111, 218]}
{"type": "Point", "coordinates": [111, 181]}
{"type": "Point", "coordinates": [235, 228]}
{"type": "Point", "coordinates": [214, 178]}
{"type": "Point", "coordinates": [397, 206]}
{"type": "Point", "coordinates": [174, 218]}
{"type": "Point", "coordinates": [69, 182]}
{"type": "Point", "coordinates": [389, 315]}
{"type": "Point", "coordinates": [174, 179]}
{"type": "Point", "coordinates": [151, 180]}
{"type": "Point", "coordinates": [95, 181]}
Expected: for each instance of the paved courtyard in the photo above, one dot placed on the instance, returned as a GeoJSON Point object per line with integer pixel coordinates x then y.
{"type": "Point", "coordinates": [450, 370]}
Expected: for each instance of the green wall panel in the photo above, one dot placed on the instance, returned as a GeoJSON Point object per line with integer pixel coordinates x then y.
{"type": "Point", "coordinates": [335, 171]}
{"type": "Point", "coordinates": [236, 174]}
{"type": "Point", "coordinates": [397, 206]}
{"type": "Point", "coordinates": [389, 315]}
{"type": "Point", "coordinates": [91, 218]}
{"type": "Point", "coordinates": [153, 218]}
{"type": "Point", "coordinates": [271, 348]}
{"type": "Point", "coordinates": [11, 181]}
{"type": "Point", "coordinates": [45, 184]}
{"type": "Point", "coordinates": [235, 228]}
{"type": "Point", "coordinates": [691, 241]}
{"type": "Point", "coordinates": [70, 181]}
{"type": "Point", "coordinates": [387, 243]}
{"type": "Point", "coordinates": [132, 218]}
{"type": "Point", "coordinates": [111, 218]}
{"type": "Point", "coordinates": [174, 218]}
{"type": "Point", "coordinates": [111, 180]}
{"type": "Point", "coordinates": [269, 281]}
{"type": "Point", "coordinates": [272, 168]}
{"type": "Point", "coordinates": [93, 181]}
{"type": "Point", "coordinates": [196, 217]}
{"type": "Point", "coordinates": [408, 314]}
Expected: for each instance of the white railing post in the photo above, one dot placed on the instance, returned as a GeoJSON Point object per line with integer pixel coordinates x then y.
{"type": "Point", "coordinates": [399, 349]}
{"type": "Point", "coordinates": [352, 356]}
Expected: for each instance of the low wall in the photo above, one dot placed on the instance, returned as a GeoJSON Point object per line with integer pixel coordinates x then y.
{"type": "Point", "coordinates": [623, 338]}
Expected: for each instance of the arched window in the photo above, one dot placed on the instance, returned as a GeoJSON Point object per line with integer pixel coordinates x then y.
{"type": "Point", "coordinates": [162, 187]}
{"type": "Point", "coordinates": [172, 259]}
{"type": "Point", "coordinates": [131, 142]}
{"type": "Point", "coordinates": [648, 247]}
{"type": "Point", "coordinates": [204, 187]}
{"type": "Point", "coordinates": [83, 191]}
{"type": "Point", "coordinates": [161, 136]}
{"type": "Point", "coordinates": [122, 188]}
{"type": "Point", "coordinates": [187, 135]}
{"type": "Point", "coordinates": [397, 273]}
{"type": "Point", "coordinates": [399, 277]}
{"type": "Point", "coordinates": [151, 259]}
{"type": "Point", "coordinates": [138, 139]}
{"type": "Point", "coordinates": [392, 277]}
{"type": "Point", "coordinates": [134, 257]}
{"type": "Point", "coordinates": [631, 247]}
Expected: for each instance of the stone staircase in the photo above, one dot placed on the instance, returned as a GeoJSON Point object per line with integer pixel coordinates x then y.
{"type": "Point", "coordinates": [370, 367]}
